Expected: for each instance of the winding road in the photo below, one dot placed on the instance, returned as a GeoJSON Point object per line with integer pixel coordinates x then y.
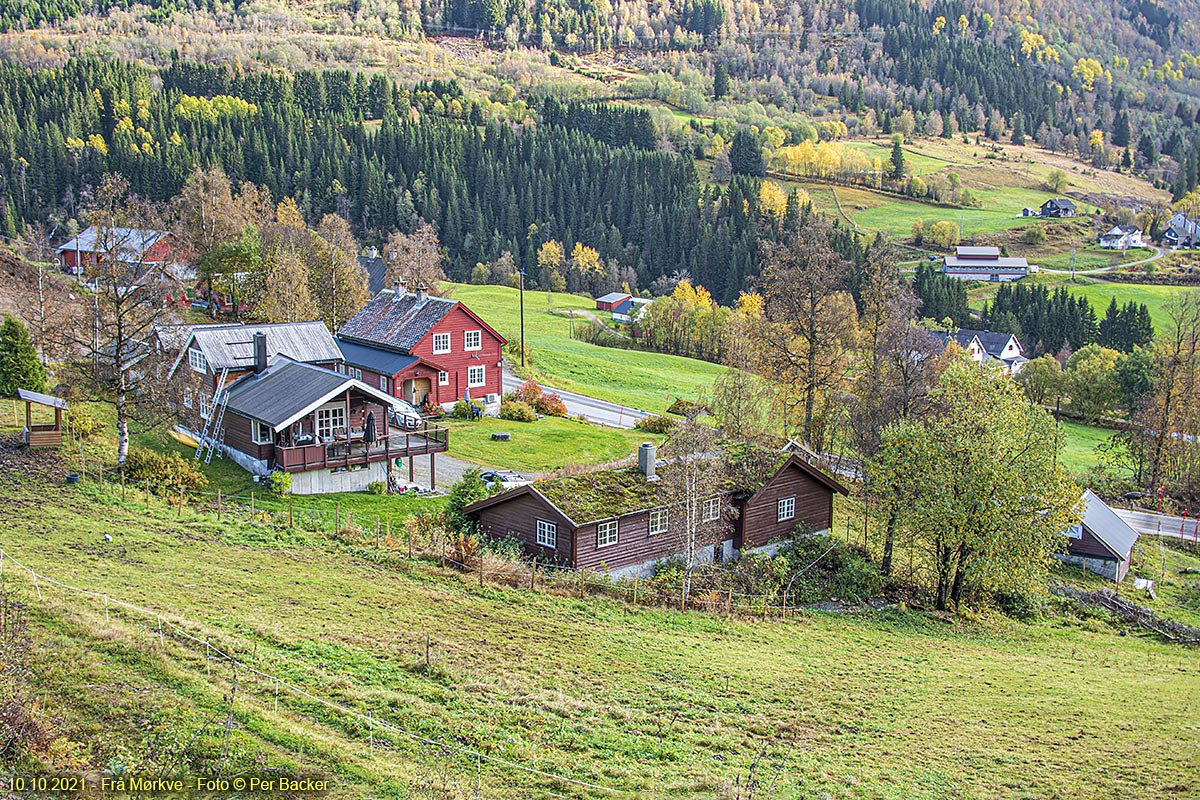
{"type": "Point", "coordinates": [580, 405]}
{"type": "Point", "coordinates": [1158, 253]}
{"type": "Point", "coordinates": [1148, 523]}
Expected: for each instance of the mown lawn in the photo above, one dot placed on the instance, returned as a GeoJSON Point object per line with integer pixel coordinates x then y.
{"type": "Point", "coordinates": [545, 445]}
{"type": "Point", "coordinates": [634, 378]}
{"type": "Point", "coordinates": [652, 703]}
{"type": "Point", "coordinates": [1080, 443]}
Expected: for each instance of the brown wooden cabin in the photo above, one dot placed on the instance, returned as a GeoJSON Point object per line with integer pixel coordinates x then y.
{"type": "Point", "coordinates": [1101, 542]}
{"type": "Point", "coordinates": [329, 430]}
{"type": "Point", "coordinates": [42, 434]}
{"type": "Point", "coordinates": [570, 520]}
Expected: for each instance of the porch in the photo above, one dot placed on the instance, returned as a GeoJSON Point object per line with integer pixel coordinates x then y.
{"type": "Point", "coordinates": [352, 449]}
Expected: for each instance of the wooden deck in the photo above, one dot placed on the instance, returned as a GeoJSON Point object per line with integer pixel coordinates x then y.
{"type": "Point", "coordinates": [397, 444]}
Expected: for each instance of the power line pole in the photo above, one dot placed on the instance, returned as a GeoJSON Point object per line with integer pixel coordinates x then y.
{"type": "Point", "coordinates": [522, 315]}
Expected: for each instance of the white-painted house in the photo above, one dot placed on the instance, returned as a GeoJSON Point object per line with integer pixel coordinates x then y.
{"type": "Point", "coordinates": [1122, 237]}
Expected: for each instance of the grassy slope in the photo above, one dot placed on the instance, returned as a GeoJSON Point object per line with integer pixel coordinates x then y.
{"type": "Point", "coordinates": [895, 705]}
{"type": "Point", "coordinates": [1080, 443]}
{"type": "Point", "coordinates": [634, 378]}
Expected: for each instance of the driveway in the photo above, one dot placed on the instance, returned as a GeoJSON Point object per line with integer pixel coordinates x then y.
{"type": "Point", "coordinates": [1148, 523]}
{"type": "Point", "coordinates": [1158, 253]}
{"type": "Point", "coordinates": [580, 405]}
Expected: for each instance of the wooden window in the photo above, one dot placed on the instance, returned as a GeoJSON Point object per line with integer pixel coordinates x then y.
{"type": "Point", "coordinates": [658, 520]}
{"type": "Point", "coordinates": [330, 420]}
{"type": "Point", "coordinates": [786, 509]}
{"type": "Point", "coordinates": [712, 509]}
{"type": "Point", "coordinates": [606, 533]}
{"type": "Point", "coordinates": [472, 340]}
{"type": "Point", "coordinates": [547, 533]}
{"type": "Point", "coordinates": [443, 379]}
{"type": "Point", "coordinates": [441, 343]}
{"type": "Point", "coordinates": [476, 376]}
{"type": "Point", "coordinates": [206, 406]}
{"type": "Point", "coordinates": [260, 433]}
{"type": "Point", "coordinates": [196, 360]}
{"type": "Point", "coordinates": [383, 382]}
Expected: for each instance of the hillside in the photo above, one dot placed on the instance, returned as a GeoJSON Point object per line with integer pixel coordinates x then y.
{"type": "Point", "coordinates": [645, 702]}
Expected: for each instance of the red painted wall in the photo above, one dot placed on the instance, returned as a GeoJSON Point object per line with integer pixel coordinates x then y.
{"type": "Point", "coordinates": [159, 253]}
{"type": "Point", "coordinates": [456, 362]}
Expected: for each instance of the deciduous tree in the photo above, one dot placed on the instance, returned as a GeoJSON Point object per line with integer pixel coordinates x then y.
{"type": "Point", "coordinates": [337, 282]}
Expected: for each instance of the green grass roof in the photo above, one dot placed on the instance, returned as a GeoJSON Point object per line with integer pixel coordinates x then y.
{"type": "Point", "coordinates": [591, 496]}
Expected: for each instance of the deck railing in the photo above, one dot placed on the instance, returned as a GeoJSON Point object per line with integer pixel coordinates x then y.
{"type": "Point", "coordinates": [349, 452]}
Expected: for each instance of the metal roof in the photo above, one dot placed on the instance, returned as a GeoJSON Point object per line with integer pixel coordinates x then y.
{"type": "Point", "coordinates": [1112, 531]}
{"type": "Point", "coordinates": [233, 347]}
{"type": "Point", "coordinates": [130, 242]}
{"type": "Point", "coordinates": [287, 391]}
{"type": "Point", "coordinates": [612, 297]}
{"type": "Point", "coordinates": [174, 336]}
{"type": "Point", "coordinates": [385, 362]}
{"type": "Point", "coordinates": [954, 262]}
{"type": "Point", "coordinates": [42, 399]}
{"type": "Point", "coordinates": [977, 252]}
{"type": "Point", "coordinates": [396, 321]}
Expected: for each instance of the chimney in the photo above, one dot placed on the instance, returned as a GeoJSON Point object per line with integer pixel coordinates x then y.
{"type": "Point", "coordinates": [373, 253]}
{"type": "Point", "coordinates": [260, 353]}
{"type": "Point", "coordinates": [398, 290]}
{"type": "Point", "coordinates": [647, 455]}
{"type": "Point", "coordinates": [421, 293]}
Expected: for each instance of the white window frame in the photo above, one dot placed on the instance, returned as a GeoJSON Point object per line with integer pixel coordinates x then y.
{"type": "Point", "coordinates": [607, 533]}
{"type": "Point", "coordinates": [660, 521]}
{"type": "Point", "coordinates": [443, 378]}
{"type": "Point", "coordinates": [441, 343]}
{"type": "Point", "coordinates": [785, 509]}
{"type": "Point", "coordinates": [196, 360]}
{"type": "Point", "coordinates": [206, 406]}
{"type": "Point", "coordinates": [383, 383]}
{"type": "Point", "coordinates": [471, 382]}
{"type": "Point", "coordinates": [261, 433]}
{"type": "Point", "coordinates": [472, 336]}
{"type": "Point", "coordinates": [187, 398]}
{"type": "Point", "coordinates": [711, 510]}
{"type": "Point", "coordinates": [329, 420]}
{"type": "Point", "coordinates": [547, 533]}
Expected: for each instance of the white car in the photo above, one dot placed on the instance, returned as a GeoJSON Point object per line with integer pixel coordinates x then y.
{"type": "Point", "coordinates": [503, 478]}
{"type": "Point", "coordinates": [404, 416]}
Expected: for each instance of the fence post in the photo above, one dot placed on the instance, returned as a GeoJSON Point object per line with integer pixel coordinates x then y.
{"type": "Point", "coordinates": [729, 604]}
{"type": "Point", "coordinates": [533, 574]}
{"type": "Point", "coordinates": [337, 516]}
{"type": "Point", "coordinates": [122, 486]}
{"type": "Point", "coordinates": [252, 506]}
{"type": "Point", "coordinates": [409, 535]}
{"type": "Point", "coordinates": [481, 570]}
{"type": "Point", "coordinates": [378, 531]}
{"type": "Point", "coordinates": [218, 504]}
{"type": "Point", "coordinates": [581, 578]}
{"type": "Point", "coordinates": [637, 578]}
{"type": "Point", "coordinates": [291, 513]}
{"type": "Point", "coordinates": [387, 532]}
{"type": "Point", "coordinates": [683, 596]}
{"type": "Point", "coordinates": [101, 474]}
{"type": "Point", "coordinates": [147, 491]}
{"type": "Point", "coordinates": [181, 499]}
{"type": "Point", "coordinates": [105, 609]}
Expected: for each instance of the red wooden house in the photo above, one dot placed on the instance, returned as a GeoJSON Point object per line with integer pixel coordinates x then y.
{"type": "Point", "coordinates": [133, 246]}
{"type": "Point", "coordinates": [610, 301]}
{"type": "Point", "coordinates": [427, 350]}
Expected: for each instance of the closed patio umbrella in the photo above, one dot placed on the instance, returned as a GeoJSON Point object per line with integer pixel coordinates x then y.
{"type": "Point", "coordinates": [369, 428]}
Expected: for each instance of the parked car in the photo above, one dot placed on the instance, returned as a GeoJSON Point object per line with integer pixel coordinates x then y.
{"type": "Point", "coordinates": [405, 417]}
{"type": "Point", "coordinates": [503, 479]}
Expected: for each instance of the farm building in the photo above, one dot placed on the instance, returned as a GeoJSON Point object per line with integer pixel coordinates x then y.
{"type": "Point", "coordinates": [1101, 542]}
{"type": "Point", "coordinates": [422, 348]}
{"type": "Point", "coordinates": [133, 246]}
{"type": "Point", "coordinates": [1122, 237]}
{"type": "Point", "coordinates": [629, 310]}
{"type": "Point", "coordinates": [1058, 207]}
{"type": "Point", "coordinates": [618, 519]}
{"type": "Point", "coordinates": [610, 301]}
{"type": "Point", "coordinates": [984, 264]}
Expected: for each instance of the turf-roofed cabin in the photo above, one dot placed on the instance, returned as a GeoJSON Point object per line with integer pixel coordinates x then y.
{"type": "Point", "coordinates": [620, 520]}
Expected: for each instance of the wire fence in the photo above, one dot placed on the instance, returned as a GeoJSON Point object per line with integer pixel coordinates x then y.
{"type": "Point", "coordinates": [170, 627]}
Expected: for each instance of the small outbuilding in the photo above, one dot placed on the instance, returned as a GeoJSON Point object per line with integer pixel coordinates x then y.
{"type": "Point", "coordinates": [1101, 542]}
{"type": "Point", "coordinates": [42, 434]}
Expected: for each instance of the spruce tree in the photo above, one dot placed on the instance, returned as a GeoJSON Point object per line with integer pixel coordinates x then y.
{"type": "Point", "coordinates": [745, 156]}
{"type": "Point", "coordinates": [720, 82]}
{"type": "Point", "coordinates": [19, 365]}
{"type": "Point", "coordinates": [897, 170]}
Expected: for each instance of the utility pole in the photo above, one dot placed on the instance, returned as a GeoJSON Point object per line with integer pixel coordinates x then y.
{"type": "Point", "coordinates": [522, 315]}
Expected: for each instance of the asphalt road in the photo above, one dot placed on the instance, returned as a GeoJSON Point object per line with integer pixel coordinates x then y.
{"type": "Point", "coordinates": [1148, 523]}
{"type": "Point", "coordinates": [580, 405]}
{"type": "Point", "coordinates": [1158, 253]}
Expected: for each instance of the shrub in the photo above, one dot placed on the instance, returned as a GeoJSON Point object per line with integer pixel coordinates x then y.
{"type": "Point", "coordinates": [1020, 605]}
{"type": "Point", "coordinates": [655, 424]}
{"type": "Point", "coordinates": [83, 422]}
{"type": "Point", "coordinates": [1034, 234]}
{"type": "Point", "coordinates": [517, 411]}
{"type": "Point", "coordinates": [279, 482]}
{"type": "Point", "coordinates": [377, 487]}
{"type": "Point", "coordinates": [168, 472]}
{"type": "Point", "coordinates": [462, 409]}
{"type": "Point", "coordinates": [528, 392]}
{"type": "Point", "coordinates": [552, 405]}
{"type": "Point", "coordinates": [684, 407]}
{"type": "Point", "coordinates": [470, 487]}
{"type": "Point", "coordinates": [834, 570]}
{"type": "Point", "coordinates": [512, 350]}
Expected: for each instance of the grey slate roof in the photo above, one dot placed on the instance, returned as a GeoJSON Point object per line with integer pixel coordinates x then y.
{"type": "Point", "coordinates": [1061, 203]}
{"type": "Point", "coordinates": [396, 323]}
{"type": "Point", "coordinates": [1106, 526]}
{"type": "Point", "coordinates": [288, 390]}
{"type": "Point", "coordinates": [233, 347]}
{"type": "Point", "coordinates": [131, 243]}
{"type": "Point", "coordinates": [385, 362]}
{"type": "Point", "coordinates": [993, 342]}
